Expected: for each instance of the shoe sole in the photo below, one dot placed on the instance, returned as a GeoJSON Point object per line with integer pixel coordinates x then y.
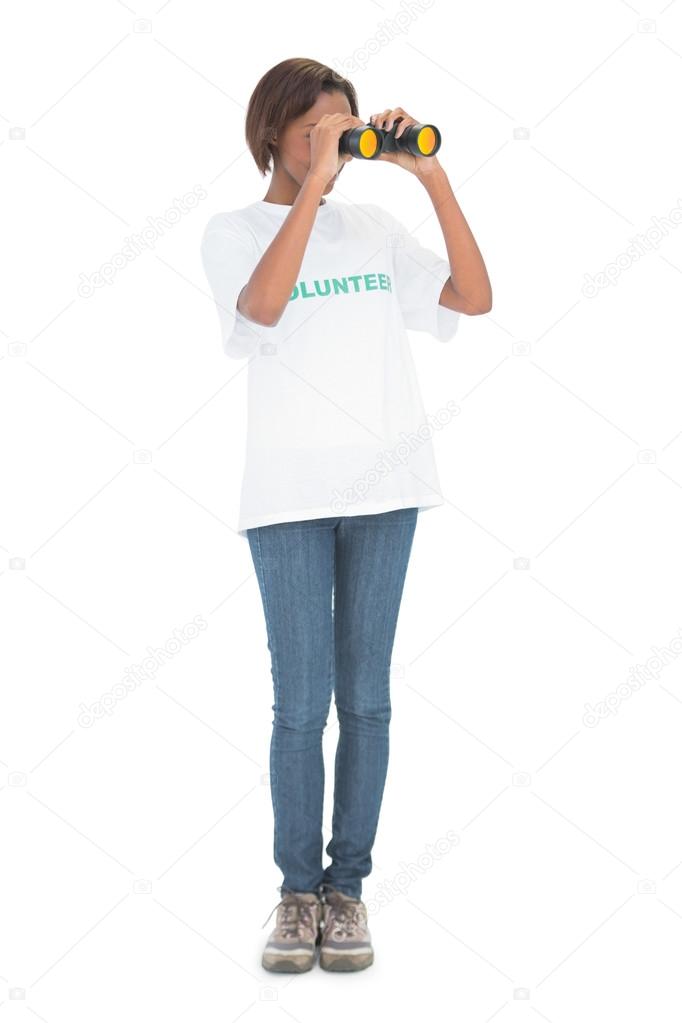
{"type": "Point", "coordinates": [344, 964]}
{"type": "Point", "coordinates": [287, 964]}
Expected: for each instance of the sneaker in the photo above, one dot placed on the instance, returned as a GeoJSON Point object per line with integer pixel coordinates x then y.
{"type": "Point", "coordinates": [292, 944]}
{"type": "Point", "coordinates": [346, 943]}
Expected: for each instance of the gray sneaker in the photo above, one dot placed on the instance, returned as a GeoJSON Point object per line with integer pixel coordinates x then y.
{"type": "Point", "coordinates": [292, 944]}
{"type": "Point", "coordinates": [346, 942]}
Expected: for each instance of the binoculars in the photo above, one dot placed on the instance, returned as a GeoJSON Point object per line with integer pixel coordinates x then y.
{"type": "Point", "coordinates": [367, 142]}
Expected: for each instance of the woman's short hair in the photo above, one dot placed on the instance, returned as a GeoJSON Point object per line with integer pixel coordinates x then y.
{"type": "Point", "coordinates": [284, 93]}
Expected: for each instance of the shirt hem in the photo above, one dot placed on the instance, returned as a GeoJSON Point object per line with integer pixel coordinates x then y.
{"type": "Point", "coordinates": [306, 514]}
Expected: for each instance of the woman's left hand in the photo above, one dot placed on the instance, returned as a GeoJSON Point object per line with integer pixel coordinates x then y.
{"type": "Point", "coordinates": [421, 166]}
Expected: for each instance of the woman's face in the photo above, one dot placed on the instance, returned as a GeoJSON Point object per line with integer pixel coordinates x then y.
{"type": "Point", "coordinates": [293, 144]}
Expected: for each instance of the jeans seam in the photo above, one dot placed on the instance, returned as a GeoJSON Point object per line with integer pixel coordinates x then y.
{"type": "Point", "coordinates": [275, 668]}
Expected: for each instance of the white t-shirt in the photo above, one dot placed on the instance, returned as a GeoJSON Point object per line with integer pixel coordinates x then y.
{"type": "Point", "coordinates": [336, 424]}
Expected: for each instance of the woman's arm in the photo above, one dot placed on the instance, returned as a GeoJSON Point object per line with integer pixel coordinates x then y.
{"type": "Point", "coordinates": [264, 297]}
{"type": "Point", "coordinates": [468, 288]}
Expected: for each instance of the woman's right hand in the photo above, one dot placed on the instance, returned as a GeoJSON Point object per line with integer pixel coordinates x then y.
{"type": "Point", "coordinates": [325, 159]}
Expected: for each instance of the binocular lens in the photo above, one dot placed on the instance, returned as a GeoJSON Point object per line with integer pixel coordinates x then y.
{"type": "Point", "coordinates": [368, 143]}
{"type": "Point", "coordinates": [426, 140]}
{"type": "Point", "coordinates": [364, 142]}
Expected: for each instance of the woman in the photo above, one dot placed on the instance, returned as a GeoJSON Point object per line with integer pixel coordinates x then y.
{"type": "Point", "coordinates": [318, 295]}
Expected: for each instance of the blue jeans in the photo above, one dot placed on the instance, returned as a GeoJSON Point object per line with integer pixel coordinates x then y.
{"type": "Point", "coordinates": [331, 590]}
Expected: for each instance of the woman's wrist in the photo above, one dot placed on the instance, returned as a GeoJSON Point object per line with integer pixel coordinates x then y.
{"type": "Point", "coordinates": [313, 182]}
{"type": "Point", "coordinates": [438, 186]}
{"type": "Point", "coordinates": [429, 170]}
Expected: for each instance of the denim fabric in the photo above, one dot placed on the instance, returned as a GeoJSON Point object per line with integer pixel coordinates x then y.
{"type": "Point", "coordinates": [331, 591]}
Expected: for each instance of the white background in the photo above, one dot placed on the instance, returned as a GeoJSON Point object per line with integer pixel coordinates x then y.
{"type": "Point", "coordinates": [136, 854]}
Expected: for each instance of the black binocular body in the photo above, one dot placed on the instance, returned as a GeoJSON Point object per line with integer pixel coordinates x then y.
{"type": "Point", "coordinates": [367, 142]}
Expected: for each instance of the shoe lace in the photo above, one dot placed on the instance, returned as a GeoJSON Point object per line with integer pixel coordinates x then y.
{"type": "Point", "coordinates": [347, 919]}
{"type": "Point", "coordinates": [295, 914]}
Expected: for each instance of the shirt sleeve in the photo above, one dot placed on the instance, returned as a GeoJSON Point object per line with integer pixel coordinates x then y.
{"type": "Point", "coordinates": [229, 255]}
{"type": "Point", "coordinates": [419, 276]}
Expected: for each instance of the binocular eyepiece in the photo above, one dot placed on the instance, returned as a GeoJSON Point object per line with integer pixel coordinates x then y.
{"type": "Point", "coordinates": [367, 142]}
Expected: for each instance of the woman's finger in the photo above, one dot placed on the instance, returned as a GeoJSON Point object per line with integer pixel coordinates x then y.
{"type": "Point", "coordinates": [378, 119]}
{"type": "Point", "coordinates": [396, 112]}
